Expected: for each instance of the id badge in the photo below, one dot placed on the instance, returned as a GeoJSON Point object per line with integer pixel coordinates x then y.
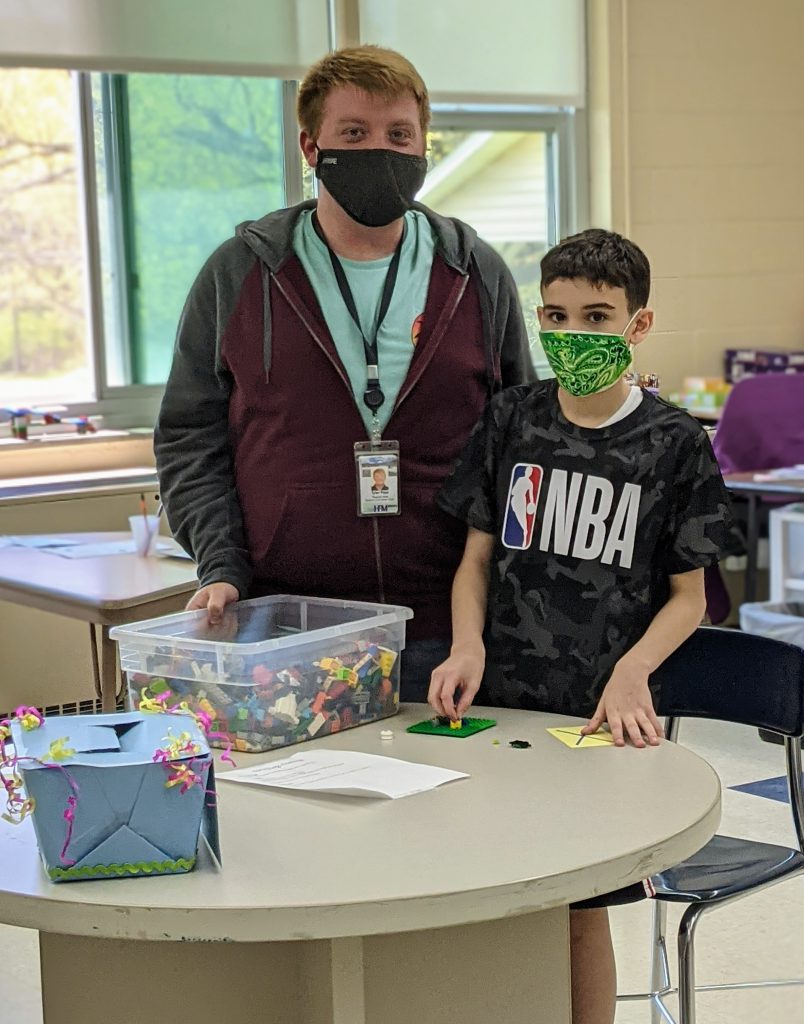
{"type": "Point", "coordinates": [377, 469]}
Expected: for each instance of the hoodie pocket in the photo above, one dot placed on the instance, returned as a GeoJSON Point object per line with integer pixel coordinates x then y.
{"type": "Point", "coordinates": [421, 548]}
{"type": "Point", "coordinates": [320, 545]}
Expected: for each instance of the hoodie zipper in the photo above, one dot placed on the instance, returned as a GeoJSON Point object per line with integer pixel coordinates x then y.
{"type": "Point", "coordinates": [378, 558]}
{"type": "Point", "coordinates": [444, 320]}
{"type": "Point", "coordinates": [300, 313]}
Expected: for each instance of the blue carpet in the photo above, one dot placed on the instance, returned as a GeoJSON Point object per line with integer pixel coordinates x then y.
{"type": "Point", "coordinates": [771, 789]}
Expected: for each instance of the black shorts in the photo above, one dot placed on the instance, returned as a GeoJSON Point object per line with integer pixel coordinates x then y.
{"type": "Point", "coordinates": [619, 898]}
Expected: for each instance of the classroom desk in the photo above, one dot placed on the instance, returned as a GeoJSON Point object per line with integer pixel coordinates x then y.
{"type": "Point", "coordinates": [747, 485]}
{"type": "Point", "coordinates": [105, 591]}
{"type": "Point", "coordinates": [448, 907]}
{"type": "Point", "coordinates": [704, 415]}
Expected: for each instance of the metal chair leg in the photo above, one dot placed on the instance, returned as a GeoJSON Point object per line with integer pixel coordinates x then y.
{"type": "Point", "coordinates": [686, 963]}
{"type": "Point", "coordinates": [660, 968]}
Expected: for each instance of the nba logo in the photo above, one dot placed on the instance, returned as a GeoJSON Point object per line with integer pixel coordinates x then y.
{"type": "Point", "coordinates": [520, 508]}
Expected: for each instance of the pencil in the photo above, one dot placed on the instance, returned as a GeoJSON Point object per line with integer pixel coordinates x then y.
{"type": "Point", "coordinates": [581, 738]}
{"type": "Point", "coordinates": [144, 510]}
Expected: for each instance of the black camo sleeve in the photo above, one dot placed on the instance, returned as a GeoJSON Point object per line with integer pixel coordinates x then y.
{"type": "Point", "coordinates": [700, 528]}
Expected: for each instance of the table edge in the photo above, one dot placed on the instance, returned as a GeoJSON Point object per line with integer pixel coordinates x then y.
{"type": "Point", "coordinates": [260, 924]}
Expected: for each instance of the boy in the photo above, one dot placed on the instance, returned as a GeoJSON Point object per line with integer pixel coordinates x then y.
{"type": "Point", "coordinates": [593, 509]}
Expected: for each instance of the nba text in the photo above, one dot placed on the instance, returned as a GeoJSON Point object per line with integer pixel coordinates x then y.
{"type": "Point", "coordinates": [576, 519]}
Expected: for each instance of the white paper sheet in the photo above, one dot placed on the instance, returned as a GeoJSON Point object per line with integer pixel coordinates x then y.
{"type": "Point", "coordinates": [37, 541]}
{"type": "Point", "coordinates": [347, 772]}
{"type": "Point", "coordinates": [785, 473]}
{"type": "Point", "coordinates": [109, 547]}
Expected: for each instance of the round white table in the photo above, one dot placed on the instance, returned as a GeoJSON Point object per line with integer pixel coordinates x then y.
{"type": "Point", "coordinates": [449, 906]}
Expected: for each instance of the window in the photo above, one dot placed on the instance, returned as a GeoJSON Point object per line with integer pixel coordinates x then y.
{"type": "Point", "coordinates": [45, 352]}
{"type": "Point", "coordinates": [114, 189]}
{"type": "Point", "coordinates": [195, 156]}
{"type": "Point", "coordinates": [500, 172]}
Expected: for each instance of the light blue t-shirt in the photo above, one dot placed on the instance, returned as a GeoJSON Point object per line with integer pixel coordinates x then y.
{"type": "Point", "coordinates": [400, 328]}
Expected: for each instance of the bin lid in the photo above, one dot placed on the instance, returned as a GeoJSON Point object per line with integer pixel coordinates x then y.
{"type": "Point", "coordinates": [265, 623]}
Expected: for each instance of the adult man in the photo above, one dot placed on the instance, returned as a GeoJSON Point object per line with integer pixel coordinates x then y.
{"type": "Point", "coordinates": [327, 326]}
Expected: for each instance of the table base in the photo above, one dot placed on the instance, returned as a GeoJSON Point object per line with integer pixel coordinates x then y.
{"type": "Point", "coordinates": [515, 970]}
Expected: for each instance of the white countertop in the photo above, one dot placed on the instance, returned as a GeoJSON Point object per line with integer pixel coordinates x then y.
{"type": "Point", "coordinates": [531, 829]}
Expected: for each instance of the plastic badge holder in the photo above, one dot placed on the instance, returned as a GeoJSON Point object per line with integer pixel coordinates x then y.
{"type": "Point", "coordinates": [278, 670]}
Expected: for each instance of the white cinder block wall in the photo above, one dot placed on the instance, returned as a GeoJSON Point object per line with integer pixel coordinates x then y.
{"type": "Point", "coordinates": [696, 152]}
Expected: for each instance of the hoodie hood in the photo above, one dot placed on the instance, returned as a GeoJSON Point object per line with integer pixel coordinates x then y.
{"type": "Point", "coordinates": [271, 238]}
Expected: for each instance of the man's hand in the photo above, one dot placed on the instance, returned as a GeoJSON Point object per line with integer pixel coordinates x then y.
{"type": "Point", "coordinates": [214, 597]}
{"type": "Point", "coordinates": [627, 706]}
{"type": "Point", "coordinates": [461, 673]}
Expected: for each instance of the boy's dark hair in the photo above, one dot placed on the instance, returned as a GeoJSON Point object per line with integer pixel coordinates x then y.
{"type": "Point", "coordinates": [601, 257]}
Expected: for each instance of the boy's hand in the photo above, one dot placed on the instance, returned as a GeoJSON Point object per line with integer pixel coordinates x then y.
{"type": "Point", "coordinates": [626, 704]}
{"type": "Point", "coordinates": [461, 673]}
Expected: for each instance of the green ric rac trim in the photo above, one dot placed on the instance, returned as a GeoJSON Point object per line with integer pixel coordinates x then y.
{"type": "Point", "coordinates": [153, 867]}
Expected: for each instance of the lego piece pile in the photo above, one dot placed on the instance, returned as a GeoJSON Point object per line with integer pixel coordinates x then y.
{"type": "Point", "coordinates": [279, 707]}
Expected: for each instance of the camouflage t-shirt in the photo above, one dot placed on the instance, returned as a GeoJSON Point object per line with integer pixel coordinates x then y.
{"type": "Point", "coordinates": [589, 525]}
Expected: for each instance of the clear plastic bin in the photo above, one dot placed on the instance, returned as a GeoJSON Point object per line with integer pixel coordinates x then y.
{"type": "Point", "coordinates": [776, 620]}
{"type": "Point", "coordinates": [277, 670]}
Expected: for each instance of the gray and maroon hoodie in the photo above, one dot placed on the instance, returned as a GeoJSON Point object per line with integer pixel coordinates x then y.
{"type": "Point", "coordinates": [254, 441]}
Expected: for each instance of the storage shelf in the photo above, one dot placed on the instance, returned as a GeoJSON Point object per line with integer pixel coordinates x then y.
{"type": "Point", "coordinates": [786, 543]}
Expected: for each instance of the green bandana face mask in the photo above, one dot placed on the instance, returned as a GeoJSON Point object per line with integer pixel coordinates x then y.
{"type": "Point", "coordinates": [585, 362]}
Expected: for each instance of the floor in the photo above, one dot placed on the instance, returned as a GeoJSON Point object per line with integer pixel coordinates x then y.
{"type": "Point", "coordinates": [761, 937]}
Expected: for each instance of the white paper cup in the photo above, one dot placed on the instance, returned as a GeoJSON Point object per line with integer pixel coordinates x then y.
{"type": "Point", "coordinates": [145, 531]}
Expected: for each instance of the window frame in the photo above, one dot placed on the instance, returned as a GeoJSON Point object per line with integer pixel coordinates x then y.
{"type": "Point", "coordinates": [567, 162]}
{"type": "Point", "coordinates": [133, 405]}
{"type": "Point", "coordinates": [566, 135]}
{"type": "Point", "coordinates": [137, 405]}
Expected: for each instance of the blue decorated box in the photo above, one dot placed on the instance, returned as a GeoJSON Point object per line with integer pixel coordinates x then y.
{"type": "Point", "coordinates": [120, 795]}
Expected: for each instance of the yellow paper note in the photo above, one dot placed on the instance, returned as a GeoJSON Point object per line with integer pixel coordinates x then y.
{"type": "Point", "coordinates": [570, 736]}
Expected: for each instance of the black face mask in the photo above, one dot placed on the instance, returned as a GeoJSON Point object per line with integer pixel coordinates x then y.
{"type": "Point", "coordinates": [374, 186]}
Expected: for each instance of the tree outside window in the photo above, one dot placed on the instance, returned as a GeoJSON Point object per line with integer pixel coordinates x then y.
{"type": "Point", "coordinates": [44, 351]}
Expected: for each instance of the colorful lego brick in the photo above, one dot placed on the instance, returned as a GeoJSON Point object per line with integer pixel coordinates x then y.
{"type": "Point", "coordinates": [285, 704]}
{"type": "Point", "coordinates": [316, 724]}
{"type": "Point", "coordinates": [261, 675]}
{"type": "Point", "coordinates": [387, 660]}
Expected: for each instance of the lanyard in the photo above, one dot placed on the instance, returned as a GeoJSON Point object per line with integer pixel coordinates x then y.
{"type": "Point", "coordinates": [373, 396]}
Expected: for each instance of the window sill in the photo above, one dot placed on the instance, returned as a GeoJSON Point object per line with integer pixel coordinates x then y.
{"type": "Point", "coordinates": [69, 462]}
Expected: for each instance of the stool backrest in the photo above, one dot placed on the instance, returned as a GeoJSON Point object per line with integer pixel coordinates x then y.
{"type": "Point", "coordinates": [741, 678]}
{"type": "Point", "coordinates": [735, 677]}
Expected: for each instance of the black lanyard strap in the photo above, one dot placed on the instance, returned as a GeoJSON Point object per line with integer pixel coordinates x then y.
{"type": "Point", "coordinates": [373, 396]}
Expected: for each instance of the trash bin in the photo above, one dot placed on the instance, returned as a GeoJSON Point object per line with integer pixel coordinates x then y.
{"type": "Point", "coordinates": [776, 620]}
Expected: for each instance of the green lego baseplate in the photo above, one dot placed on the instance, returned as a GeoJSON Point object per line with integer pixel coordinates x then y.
{"type": "Point", "coordinates": [442, 727]}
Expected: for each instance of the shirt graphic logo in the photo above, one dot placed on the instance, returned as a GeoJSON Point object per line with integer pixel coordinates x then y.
{"type": "Point", "coordinates": [416, 329]}
{"type": "Point", "coordinates": [520, 508]}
